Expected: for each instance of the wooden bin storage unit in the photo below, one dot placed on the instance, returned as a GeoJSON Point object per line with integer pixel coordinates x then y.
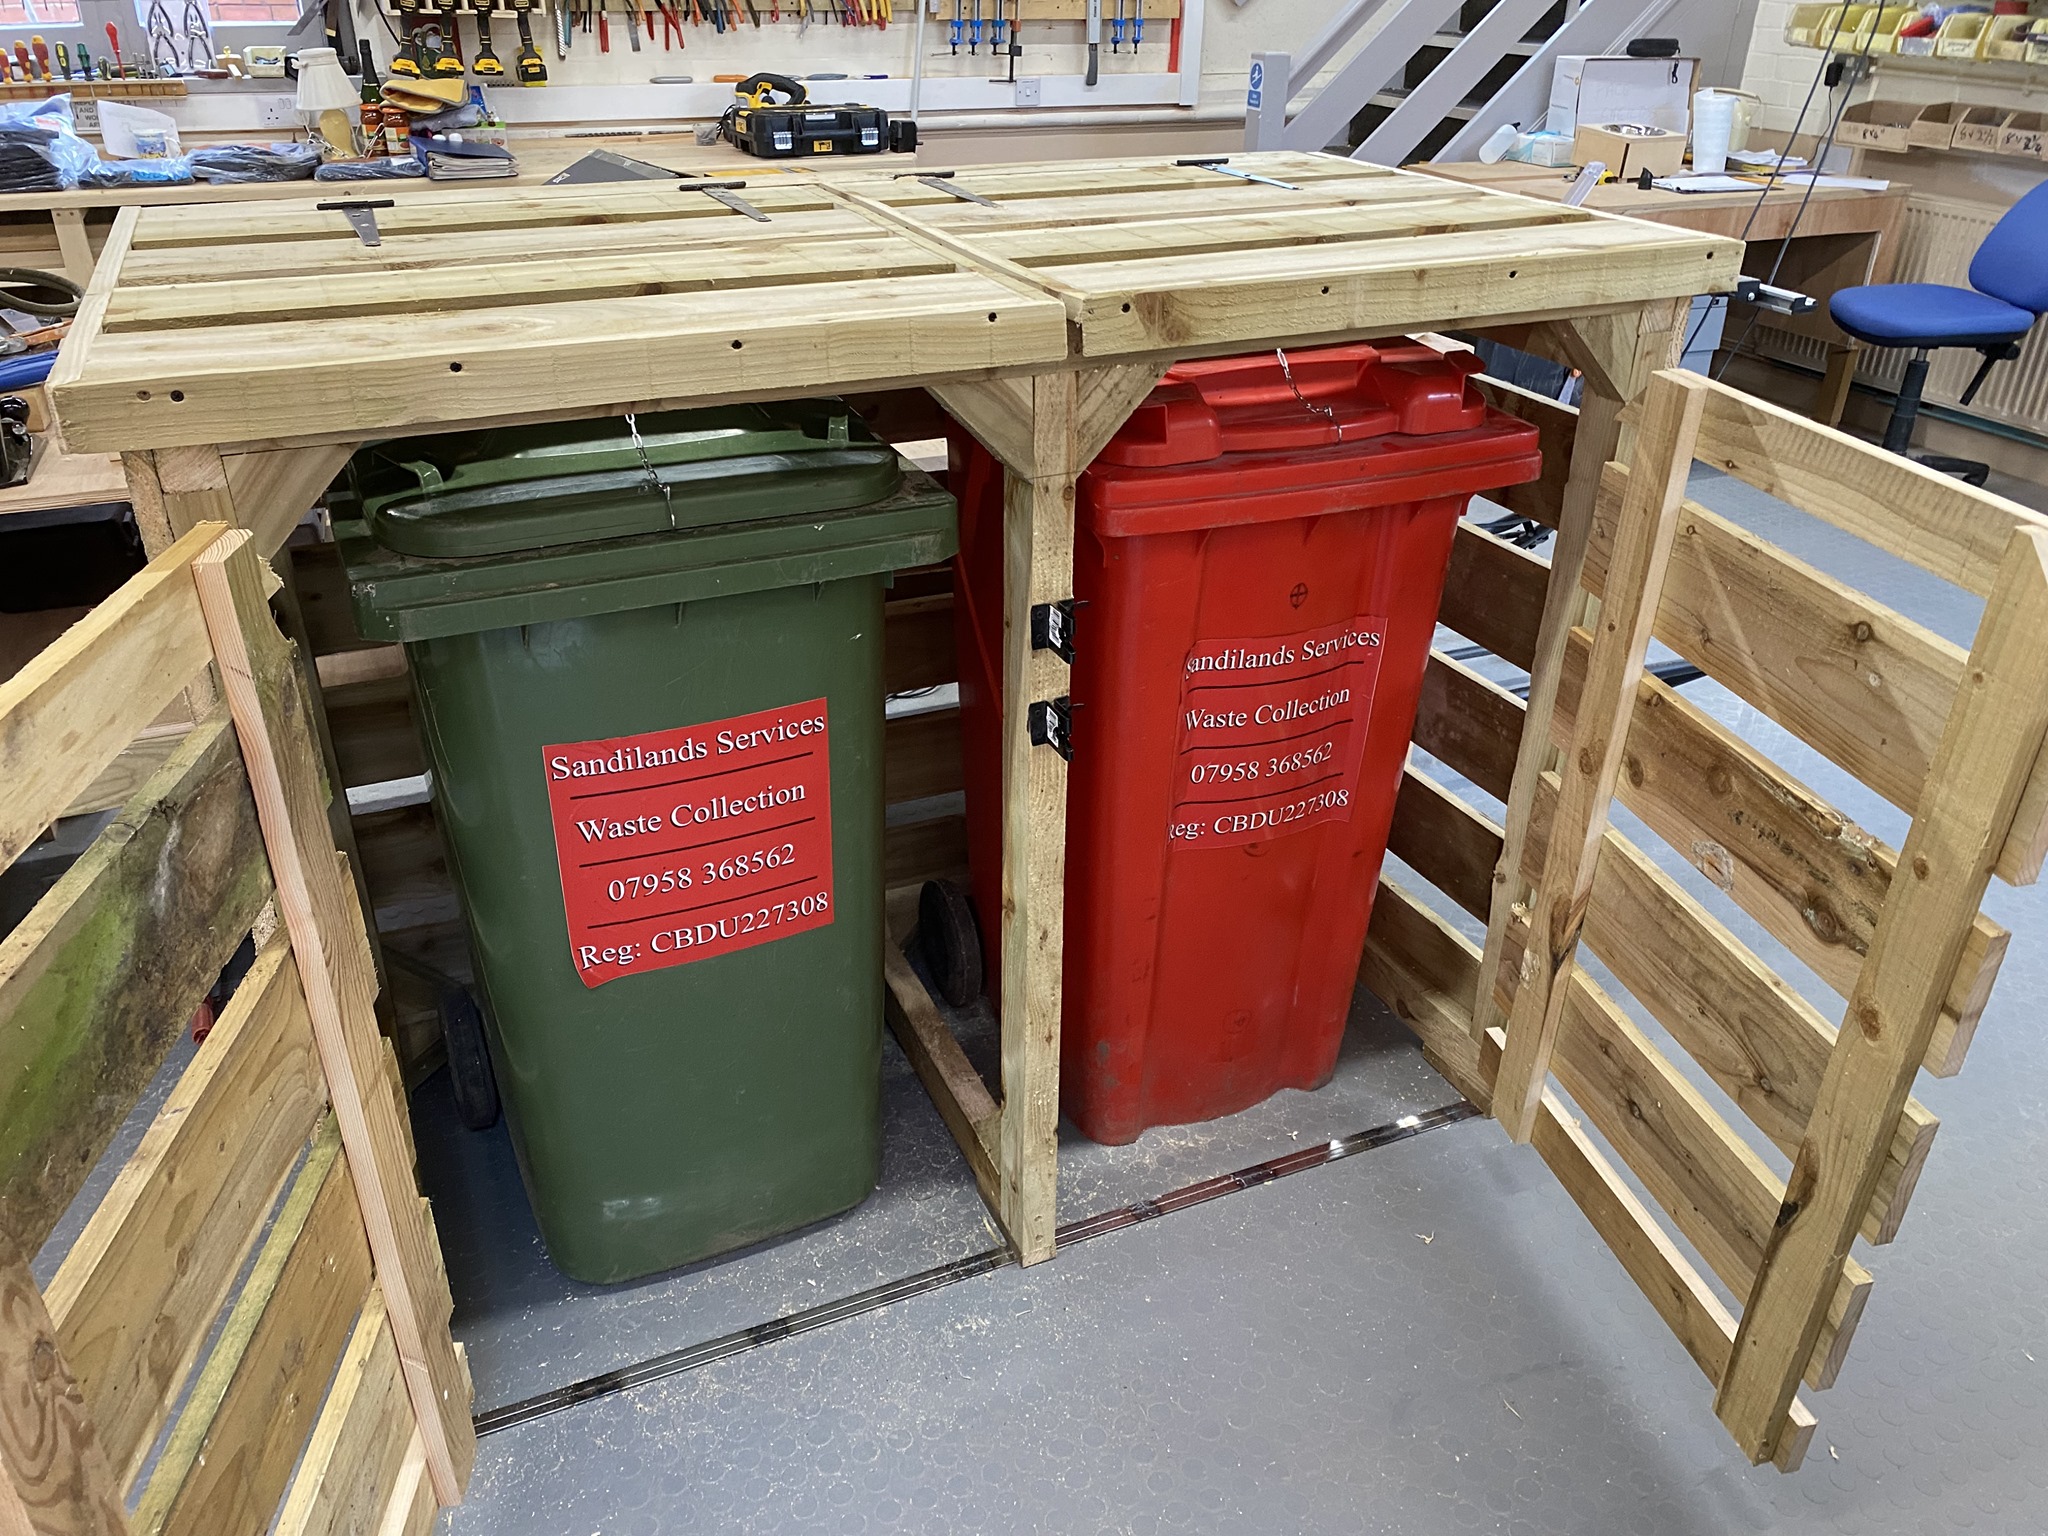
{"type": "Point", "coordinates": [1040, 317]}
{"type": "Point", "coordinates": [332, 1383]}
{"type": "Point", "coordinates": [1948, 737]}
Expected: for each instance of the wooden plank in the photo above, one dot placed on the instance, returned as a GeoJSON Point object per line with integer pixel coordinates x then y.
{"type": "Point", "coordinates": [921, 755]}
{"type": "Point", "coordinates": [961, 1097]}
{"type": "Point", "coordinates": [69, 712]}
{"type": "Point", "coordinates": [1642, 542]}
{"type": "Point", "coordinates": [924, 850]}
{"type": "Point", "coordinates": [411, 1509]}
{"type": "Point", "coordinates": [1469, 724]}
{"type": "Point", "coordinates": [1447, 842]}
{"type": "Point", "coordinates": [1651, 343]}
{"type": "Point", "coordinates": [1038, 565]}
{"type": "Point", "coordinates": [1428, 283]}
{"type": "Point", "coordinates": [1557, 426]}
{"type": "Point", "coordinates": [234, 299]}
{"type": "Point", "coordinates": [127, 773]}
{"type": "Point", "coordinates": [1815, 879]}
{"type": "Point", "coordinates": [358, 1448]}
{"type": "Point", "coordinates": [240, 1433]}
{"type": "Point", "coordinates": [1864, 686]}
{"type": "Point", "coordinates": [1763, 1043]}
{"type": "Point", "coordinates": [141, 1286]}
{"type": "Point", "coordinates": [54, 1477]}
{"type": "Point", "coordinates": [265, 694]}
{"type": "Point", "coordinates": [166, 389]}
{"type": "Point", "coordinates": [99, 980]}
{"type": "Point", "coordinates": [917, 643]}
{"type": "Point", "coordinates": [1973, 788]}
{"type": "Point", "coordinates": [1921, 515]}
{"type": "Point", "coordinates": [1493, 594]}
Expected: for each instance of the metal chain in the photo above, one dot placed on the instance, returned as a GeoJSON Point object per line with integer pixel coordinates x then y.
{"type": "Point", "coordinates": [1307, 404]}
{"type": "Point", "coordinates": [654, 481]}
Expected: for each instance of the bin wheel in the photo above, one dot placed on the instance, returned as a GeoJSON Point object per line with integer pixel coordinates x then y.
{"type": "Point", "coordinates": [469, 1059]}
{"type": "Point", "coordinates": [951, 942]}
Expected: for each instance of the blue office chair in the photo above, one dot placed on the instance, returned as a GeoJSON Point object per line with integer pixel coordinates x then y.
{"type": "Point", "coordinates": [2008, 291]}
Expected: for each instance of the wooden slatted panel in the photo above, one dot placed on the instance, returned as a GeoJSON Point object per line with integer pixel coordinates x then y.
{"type": "Point", "coordinates": [1866, 687]}
{"type": "Point", "coordinates": [240, 1434]}
{"type": "Point", "coordinates": [60, 724]}
{"type": "Point", "coordinates": [357, 1453]}
{"type": "Point", "coordinates": [97, 982]}
{"type": "Point", "coordinates": [197, 1189]}
{"type": "Point", "coordinates": [1424, 969]}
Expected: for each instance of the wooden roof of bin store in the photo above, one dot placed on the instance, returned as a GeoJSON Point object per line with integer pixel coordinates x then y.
{"type": "Point", "coordinates": [205, 325]}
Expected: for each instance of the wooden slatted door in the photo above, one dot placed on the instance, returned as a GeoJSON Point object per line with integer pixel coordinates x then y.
{"type": "Point", "coordinates": [260, 1291]}
{"type": "Point", "coordinates": [1754, 1273]}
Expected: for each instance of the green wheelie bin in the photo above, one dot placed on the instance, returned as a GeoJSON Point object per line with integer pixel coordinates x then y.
{"type": "Point", "coordinates": [647, 659]}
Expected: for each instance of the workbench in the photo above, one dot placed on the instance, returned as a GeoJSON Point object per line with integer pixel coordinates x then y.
{"type": "Point", "coordinates": [1845, 237]}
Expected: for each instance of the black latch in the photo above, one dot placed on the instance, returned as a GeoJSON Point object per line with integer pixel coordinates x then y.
{"type": "Point", "coordinates": [1052, 725]}
{"type": "Point", "coordinates": [1052, 629]}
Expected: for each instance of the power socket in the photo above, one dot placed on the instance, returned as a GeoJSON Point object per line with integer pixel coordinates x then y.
{"type": "Point", "coordinates": [1029, 90]}
{"type": "Point", "coordinates": [276, 112]}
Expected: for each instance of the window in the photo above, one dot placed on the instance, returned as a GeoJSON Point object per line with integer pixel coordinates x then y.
{"type": "Point", "coordinates": [219, 13]}
{"type": "Point", "coordinates": [39, 13]}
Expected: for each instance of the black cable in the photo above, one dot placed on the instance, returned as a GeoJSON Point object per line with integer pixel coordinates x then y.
{"type": "Point", "coordinates": [1777, 171]}
{"type": "Point", "coordinates": [1820, 152]}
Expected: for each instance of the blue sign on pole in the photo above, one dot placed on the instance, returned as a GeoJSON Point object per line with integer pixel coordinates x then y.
{"type": "Point", "coordinates": [1251, 98]}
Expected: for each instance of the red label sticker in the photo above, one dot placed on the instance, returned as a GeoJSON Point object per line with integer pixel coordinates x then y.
{"type": "Point", "coordinates": [1272, 731]}
{"type": "Point", "coordinates": [680, 845]}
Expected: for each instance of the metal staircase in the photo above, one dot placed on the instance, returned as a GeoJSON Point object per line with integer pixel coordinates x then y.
{"type": "Point", "coordinates": [1433, 79]}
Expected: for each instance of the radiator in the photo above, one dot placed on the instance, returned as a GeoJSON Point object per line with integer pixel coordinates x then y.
{"type": "Point", "coordinates": [1935, 246]}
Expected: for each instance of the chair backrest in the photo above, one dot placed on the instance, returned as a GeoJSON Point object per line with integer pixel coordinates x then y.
{"type": "Point", "coordinates": [2012, 263]}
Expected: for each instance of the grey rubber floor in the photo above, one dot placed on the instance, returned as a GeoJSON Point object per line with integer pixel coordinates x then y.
{"type": "Point", "coordinates": [1422, 1338]}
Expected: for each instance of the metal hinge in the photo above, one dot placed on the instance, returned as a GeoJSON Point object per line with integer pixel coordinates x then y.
{"type": "Point", "coordinates": [1052, 629]}
{"type": "Point", "coordinates": [1052, 725]}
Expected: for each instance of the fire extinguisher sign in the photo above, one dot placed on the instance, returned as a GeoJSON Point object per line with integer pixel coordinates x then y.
{"type": "Point", "coordinates": [1272, 731]}
{"type": "Point", "coordinates": [683, 844]}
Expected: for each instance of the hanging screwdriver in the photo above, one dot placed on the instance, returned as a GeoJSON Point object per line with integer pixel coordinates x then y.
{"type": "Point", "coordinates": [1116, 28]}
{"type": "Point", "coordinates": [998, 30]}
{"type": "Point", "coordinates": [974, 32]}
{"type": "Point", "coordinates": [64, 60]}
{"type": "Point", "coordinates": [957, 24]}
{"type": "Point", "coordinates": [1137, 25]}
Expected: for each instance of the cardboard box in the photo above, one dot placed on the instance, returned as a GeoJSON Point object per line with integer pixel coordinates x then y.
{"type": "Point", "coordinates": [1935, 127]}
{"type": "Point", "coordinates": [2025, 134]}
{"type": "Point", "coordinates": [1613, 88]}
{"type": "Point", "coordinates": [1882, 125]}
{"type": "Point", "coordinates": [1628, 155]}
{"type": "Point", "coordinates": [1979, 129]}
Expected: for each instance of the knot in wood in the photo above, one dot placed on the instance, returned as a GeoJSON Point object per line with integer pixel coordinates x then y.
{"type": "Point", "coordinates": [1719, 780]}
{"type": "Point", "coordinates": [1870, 1021]}
{"type": "Point", "coordinates": [42, 1360]}
{"type": "Point", "coordinates": [1589, 761]}
{"type": "Point", "coordinates": [1920, 866]}
{"type": "Point", "coordinates": [1861, 632]}
{"type": "Point", "coordinates": [1633, 767]}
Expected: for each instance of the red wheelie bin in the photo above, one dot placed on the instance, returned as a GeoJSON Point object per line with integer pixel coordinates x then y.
{"type": "Point", "coordinates": [1258, 559]}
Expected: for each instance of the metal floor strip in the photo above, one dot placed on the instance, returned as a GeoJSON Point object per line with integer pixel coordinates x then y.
{"type": "Point", "coordinates": [875, 1297]}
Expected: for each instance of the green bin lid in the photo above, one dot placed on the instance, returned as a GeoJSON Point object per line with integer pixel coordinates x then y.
{"type": "Point", "coordinates": [460, 495]}
{"type": "Point", "coordinates": [470, 531]}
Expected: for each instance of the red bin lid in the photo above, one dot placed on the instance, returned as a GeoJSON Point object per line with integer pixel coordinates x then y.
{"type": "Point", "coordinates": [1278, 435]}
{"type": "Point", "coordinates": [1312, 398]}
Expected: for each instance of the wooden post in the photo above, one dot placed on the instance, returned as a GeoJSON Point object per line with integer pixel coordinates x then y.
{"type": "Point", "coordinates": [266, 697]}
{"type": "Point", "coordinates": [1046, 430]}
{"type": "Point", "coordinates": [54, 1477]}
{"type": "Point", "coordinates": [1635, 581]}
{"type": "Point", "coordinates": [1618, 354]}
{"type": "Point", "coordinates": [1994, 732]}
